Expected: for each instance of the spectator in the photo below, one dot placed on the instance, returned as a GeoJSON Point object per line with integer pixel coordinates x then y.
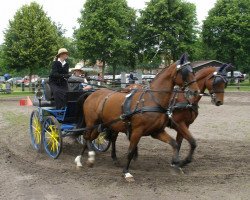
{"type": "Point", "coordinates": [131, 79]}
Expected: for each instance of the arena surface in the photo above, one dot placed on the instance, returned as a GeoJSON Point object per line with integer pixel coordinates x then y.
{"type": "Point", "coordinates": [220, 170]}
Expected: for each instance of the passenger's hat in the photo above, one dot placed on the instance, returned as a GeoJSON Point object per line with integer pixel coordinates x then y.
{"type": "Point", "coordinates": [77, 67]}
{"type": "Point", "coordinates": [62, 50]}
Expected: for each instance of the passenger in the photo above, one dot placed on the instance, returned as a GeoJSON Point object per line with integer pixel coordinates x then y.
{"type": "Point", "coordinates": [79, 73]}
{"type": "Point", "coordinates": [58, 78]}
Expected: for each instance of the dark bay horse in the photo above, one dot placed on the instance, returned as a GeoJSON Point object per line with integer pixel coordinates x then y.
{"type": "Point", "coordinates": [215, 81]}
{"type": "Point", "coordinates": [104, 109]}
{"type": "Point", "coordinates": [182, 114]}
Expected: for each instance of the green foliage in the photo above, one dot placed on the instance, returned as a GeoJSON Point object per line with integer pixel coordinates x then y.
{"type": "Point", "coordinates": [31, 40]}
{"type": "Point", "coordinates": [226, 32]}
{"type": "Point", "coordinates": [166, 29]}
{"type": "Point", "coordinates": [105, 32]}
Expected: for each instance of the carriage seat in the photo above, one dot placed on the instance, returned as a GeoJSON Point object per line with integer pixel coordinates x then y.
{"type": "Point", "coordinates": [48, 100]}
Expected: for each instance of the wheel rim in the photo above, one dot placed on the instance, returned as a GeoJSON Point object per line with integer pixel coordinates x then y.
{"type": "Point", "coordinates": [52, 137]}
{"type": "Point", "coordinates": [35, 130]}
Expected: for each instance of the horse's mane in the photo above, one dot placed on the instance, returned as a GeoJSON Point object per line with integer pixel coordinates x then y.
{"type": "Point", "coordinates": [198, 73]}
{"type": "Point", "coordinates": [222, 70]}
{"type": "Point", "coordinates": [163, 70]}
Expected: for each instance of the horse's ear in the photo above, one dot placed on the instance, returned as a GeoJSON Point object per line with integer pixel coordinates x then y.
{"type": "Point", "coordinates": [222, 68]}
{"type": "Point", "coordinates": [183, 58]}
{"type": "Point", "coordinates": [229, 67]}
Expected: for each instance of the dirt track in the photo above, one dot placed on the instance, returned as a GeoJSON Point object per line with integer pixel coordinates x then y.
{"type": "Point", "coordinates": [220, 170]}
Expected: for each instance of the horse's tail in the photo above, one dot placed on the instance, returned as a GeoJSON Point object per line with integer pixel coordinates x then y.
{"type": "Point", "coordinates": [80, 115]}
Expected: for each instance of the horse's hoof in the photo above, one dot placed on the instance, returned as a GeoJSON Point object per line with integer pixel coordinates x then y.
{"type": "Point", "coordinates": [90, 164]}
{"type": "Point", "coordinates": [129, 177]}
{"type": "Point", "coordinates": [177, 169]}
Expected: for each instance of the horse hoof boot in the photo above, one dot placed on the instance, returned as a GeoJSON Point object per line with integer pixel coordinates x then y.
{"type": "Point", "coordinates": [129, 177]}
{"type": "Point", "coordinates": [78, 162]}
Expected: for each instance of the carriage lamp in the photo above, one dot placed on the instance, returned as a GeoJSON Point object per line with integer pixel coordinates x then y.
{"type": "Point", "coordinates": [39, 94]}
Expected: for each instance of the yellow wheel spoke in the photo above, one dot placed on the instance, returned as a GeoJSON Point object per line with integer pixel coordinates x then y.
{"type": "Point", "coordinates": [37, 130]}
{"type": "Point", "coordinates": [52, 136]}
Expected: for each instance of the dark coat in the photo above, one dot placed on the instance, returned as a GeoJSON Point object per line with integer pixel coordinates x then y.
{"type": "Point", "coordinates": [59, 73]}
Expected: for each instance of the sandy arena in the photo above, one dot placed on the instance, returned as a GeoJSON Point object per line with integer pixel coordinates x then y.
{"type": "Point", "coordinates": [220, 170]}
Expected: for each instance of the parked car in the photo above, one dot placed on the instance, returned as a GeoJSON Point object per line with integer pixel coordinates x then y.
{"type": "Point", "coordinates": [236, 75]}
{"type": "Point", "coordinates": [13, 81]}
{"type": "Point", "coordinates": [2, 79]}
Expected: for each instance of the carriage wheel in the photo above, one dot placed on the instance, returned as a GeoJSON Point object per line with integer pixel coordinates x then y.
{"type": "Point", "coordinates": [52, 139]}
{"type": "Point", "coordinates": [80, 139]}
{"type": "Point", "coordinates": [101, 144]}
{"type": "Point", "coordinates": [35, 130]}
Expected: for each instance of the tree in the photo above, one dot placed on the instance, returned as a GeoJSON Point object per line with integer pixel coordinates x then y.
{"type": "Point", "coordinates": [104, 32]}
{"type": "Point", "coordinates": [226, 32]}
{"type": "Point", "coordinates": [31, 40]}
{"type": "Point", "coordinates": [165, 29]}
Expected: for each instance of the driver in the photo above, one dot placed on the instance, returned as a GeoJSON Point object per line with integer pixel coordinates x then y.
{"type": "Point", "coordinates": [58, 78]}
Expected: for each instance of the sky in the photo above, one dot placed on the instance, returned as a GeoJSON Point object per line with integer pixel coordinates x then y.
{"type": "Point", "coordinates": [67, 12]}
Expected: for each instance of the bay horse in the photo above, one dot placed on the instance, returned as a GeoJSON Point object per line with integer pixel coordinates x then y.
{"type": "Point", "coordinates": [182, 114]}
{"type": "Point", "coordinates": [146, 111]}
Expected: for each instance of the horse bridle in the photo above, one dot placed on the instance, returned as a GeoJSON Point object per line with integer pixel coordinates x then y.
{"type": "Point", "coordinates": [218, 77]}
{"type": "Point", "coordinates": [185, 69]}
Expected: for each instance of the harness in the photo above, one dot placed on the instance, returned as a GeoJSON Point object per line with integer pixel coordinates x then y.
{"type": "Point", "coordinates": [127, 113]}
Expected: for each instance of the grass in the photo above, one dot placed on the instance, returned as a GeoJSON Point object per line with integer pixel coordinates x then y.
{"type": "Point", "coordinates": [235, 89]}
{"type": "Point", "coordinates": [243, 86]}
{"type": "Point", "coordinates": [17, 92]}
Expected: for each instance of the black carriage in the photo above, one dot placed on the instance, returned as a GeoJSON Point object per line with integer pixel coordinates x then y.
{"type": "Point", "coordinates": [48, 125]}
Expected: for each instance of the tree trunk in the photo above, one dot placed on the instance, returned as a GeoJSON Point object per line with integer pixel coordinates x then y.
{"type": "Point", "coordinates": [103, 69]}
{"type": "Point", "coordinates": [114, 72]}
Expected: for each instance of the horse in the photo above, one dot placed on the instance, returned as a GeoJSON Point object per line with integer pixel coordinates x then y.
{"type": "Point", "coordinates": [145, 110]}
{"type": "Point", "coordinates": [182, 114]}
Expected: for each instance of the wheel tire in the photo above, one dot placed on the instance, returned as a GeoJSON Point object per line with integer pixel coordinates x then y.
{"type": "Point", "coordinates": [36, 131]}
{"type": "Point", "coordinates": [52, 137]}
{"type": "Point", "coordinates": [101, 144]}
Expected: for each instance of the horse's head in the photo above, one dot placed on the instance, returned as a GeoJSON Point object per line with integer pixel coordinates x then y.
{"type": "Point", "coordinates": [185, 78]}
{"type": "Point", "coordinates": [217, 82]}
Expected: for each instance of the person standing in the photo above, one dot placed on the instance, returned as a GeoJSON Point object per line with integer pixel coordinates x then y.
{"type": "Point", "coordinates": [131, 79]}
{"type": "Point", "coordinates": [58, 78]}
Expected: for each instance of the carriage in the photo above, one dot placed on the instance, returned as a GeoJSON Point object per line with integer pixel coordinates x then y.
{"type": "Point", "coordinates": [48, 125]}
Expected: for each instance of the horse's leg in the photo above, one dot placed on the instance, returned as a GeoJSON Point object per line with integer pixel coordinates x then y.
{"type": "Point", "coordinates": [91, 153]}
{"type": "Point", "coordinates": [136, 154]}
{"type": "Point", "coordinates": [91, 159]}
{"type": "Point", "coordinates": [78, 158]}
{"type": "Point", "coordinates": [179, 140]}
{"type": "Point", "coordinates": [113, 150]}
{"type": "Point", "coordinates": [165, 137]}
{"type": "Point", "coordinates": [183, 129]}
{"type": "Point", "coordinates": [134, 140]}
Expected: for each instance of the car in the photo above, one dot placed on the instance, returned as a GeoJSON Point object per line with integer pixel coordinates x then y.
{"type": "Point", "coordinates": [13, 81]}
{"type": "Point", "coordinates": [2, 79]}
{"type": "Point", "coordinates": [236, 75]}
